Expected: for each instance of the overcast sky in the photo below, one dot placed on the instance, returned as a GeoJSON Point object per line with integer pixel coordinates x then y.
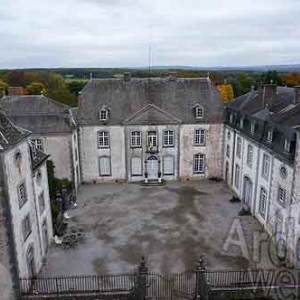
{"type": "Point", "coordinates": [115, 33]}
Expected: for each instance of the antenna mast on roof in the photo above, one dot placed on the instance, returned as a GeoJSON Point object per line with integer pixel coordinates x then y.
{"type": "Point", "coordinates": [149, 50]}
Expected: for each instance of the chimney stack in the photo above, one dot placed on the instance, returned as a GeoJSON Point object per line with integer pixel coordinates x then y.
{"type": "Point", "coordinates": [268, 94]}
{"type": "Point", "coordinates": [297, 94]}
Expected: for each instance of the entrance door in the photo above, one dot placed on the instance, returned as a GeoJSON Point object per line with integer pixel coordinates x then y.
{"type": "Point", "coordinates": [248, 187]}
{"type": "Point", "coordinates": [152, 167]}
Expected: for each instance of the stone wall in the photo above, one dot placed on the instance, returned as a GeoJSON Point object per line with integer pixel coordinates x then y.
{"type": "Point", "coordinates": [59, 147]}
{"type": "Point", "coordinates": [162, 151]}
{"type": "Point", "coordinates": [40, 184]}
{"type": "Point", "coordinates": [6, 286]}
{"type": "Point", "coordinates": [17, 174]}
{"type": "Point", "coordinates": [213, 150]}
{"type": "Point", "coordinates": [90, 153]}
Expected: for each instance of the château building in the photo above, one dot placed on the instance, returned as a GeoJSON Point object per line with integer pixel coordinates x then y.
{"type": "Point", "coordinates": [150, 129]}
{"type": "Point", "coordinates": [262, 159]}
{"type": "Point", "coordinates": [53, 130]}
{"type": "Point", "coordinates": [25, 214]}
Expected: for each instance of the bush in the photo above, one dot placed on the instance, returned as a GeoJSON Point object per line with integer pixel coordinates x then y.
{"type": "Point", "coordinates": [245, 211]}
{"type": "Point", "coordinates": [234, 199]}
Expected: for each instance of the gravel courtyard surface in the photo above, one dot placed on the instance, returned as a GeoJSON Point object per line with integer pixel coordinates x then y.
{"type": "Point", "coordinates": [171, 225]}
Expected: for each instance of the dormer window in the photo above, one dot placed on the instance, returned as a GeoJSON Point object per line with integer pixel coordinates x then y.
{"type": "Point", "coordinates": [199, 111]}
{"type": "Point", "coordinates": [287, 145]}
{"type": "Point", "coordinates": [231, 118]}
{"type": "Point", "coordinates": [252, 128]}
{"type": "Point", "coordinates": [270, 136]}
{"type": "Point", "coordinates": [103, 114]}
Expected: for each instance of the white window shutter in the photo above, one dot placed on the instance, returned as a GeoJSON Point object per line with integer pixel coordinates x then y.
{"type": "Point", "coordinates": [104, 166]}
{"type": "Point", "coordinates": [136, 166]}
{"type": "Point", "coordinates": [168, 165]}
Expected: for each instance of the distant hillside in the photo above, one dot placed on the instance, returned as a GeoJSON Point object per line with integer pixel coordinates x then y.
{"type": "Point", "coordinates": [262, 68]}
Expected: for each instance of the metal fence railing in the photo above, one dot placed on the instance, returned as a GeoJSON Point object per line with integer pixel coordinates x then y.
{"type": "Point", "coordinates": [146, 285]}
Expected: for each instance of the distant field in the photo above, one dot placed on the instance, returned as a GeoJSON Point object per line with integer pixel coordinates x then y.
{"type": "Point", "coordinates": [76, 79]}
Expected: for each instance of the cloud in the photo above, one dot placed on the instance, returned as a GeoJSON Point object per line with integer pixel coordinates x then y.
{"type": "Point", "coordinates": [111, 33]}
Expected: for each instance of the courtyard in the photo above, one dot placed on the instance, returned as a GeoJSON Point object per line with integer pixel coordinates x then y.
{"type": "Point", "coordinates": [170, 225]}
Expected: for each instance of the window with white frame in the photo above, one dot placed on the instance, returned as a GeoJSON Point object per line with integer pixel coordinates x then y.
{"type": "Point", "coordinates": [168, 138]}
{"type": "Point", "coordinates": [250, 155]}
{"type": "Point", "coordinates": [199, 163]}
{"type": "Point", "coordinates": [136, 166]}
{"type": "Point", "coordinates": [287, 145]}
{"type": "Point", "coordinates": [136, 139]}
{"type": "Point", "coordinates": [252, 128]}
{"type": "Point", "coordinates": [237, 176]}
{"type": "Point", "coordinates": [38, 144]}
{"type": "Point", "coordinates": [266, 166]}
{"type": "Point", "coordinates": [270, 136]}
{"type": "Point", "coordinates": [262, 202]}
{"type": "Point", "coordinates": [199, 112]}
{"type": "Point", "coordinates": [103, 139]}
{"type": "Point", "coordinates": [26, 227]}
{"type": "Point", "coordinates": [281, 197]}
{"type": "Point", "coordinates": [103, 114]}
{"type": "Point", "coordinates": [42, 202]}
{"type": "Point", "coordinates": [227, 150]}
{"type": "Point", "coordinates": [152, 139]}
{"type": "Point", "coordinates": [200, 137]}
{"type": "Point", "coordinates": [228, 135]}
{"type": "Point", "coordinates": [104, 166]}
{"type": "Point", "coordinates": [168, 165]}
{"type": "Point", "coordinates": [238, 147]}
{"type": "Point", "coordinates": [22, 194]}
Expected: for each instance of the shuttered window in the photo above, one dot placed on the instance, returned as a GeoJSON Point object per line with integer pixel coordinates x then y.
{"type": "Point", "coordinates": [22, 194]}
{"type": "Point", "coordinates": [104, 166]}
{"type": "Point", "coordinates": [26, 227]}
{"type": "Point", "coordinates": [168, 165]}
{"type": "Point", "coordinates": [136, 166]}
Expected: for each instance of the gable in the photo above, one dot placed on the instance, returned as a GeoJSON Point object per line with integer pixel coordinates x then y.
{"type": "Point", "coordinates": [151, 115]}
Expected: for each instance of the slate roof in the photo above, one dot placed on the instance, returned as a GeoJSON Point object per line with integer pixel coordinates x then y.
{"type": "Point", "coordinates": [282, 116]}
{"type": "Point", "coordinates": [39, 114]}
{"type": "Point", "coordinates": [37, 157]}
{"type": "Point", "coordinates": [123, 99]}
{"type": "Point", "coordinates": [9, 133]}
{"type": "Point", "coordinates": [251, 103]}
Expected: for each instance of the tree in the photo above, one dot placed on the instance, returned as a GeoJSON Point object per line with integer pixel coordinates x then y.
{"type": "Point", "coordinates": [292, 79]}
{"type": "Point", "coordinates": [36, 88]}
{"type": "Point", "coordinates": [271, 77]}
{"type": "Point", "coordinates": [20, 78]}
{"type": "Point", "coordinates": [226, 92]}
{"type": "Point", "coordinates": [3, 87]}
{"type": "Point", "coordinates": [75, 86]}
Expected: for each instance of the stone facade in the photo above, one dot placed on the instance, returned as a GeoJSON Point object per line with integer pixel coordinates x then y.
{"type": "Point", "coordinates": [165, 115]}
{"type": "Point", "coordinates": [261, 162]}
{"type": "Point", "coordinates": [25, 213]}
{"type": "Point", "coordinates": [62, 148]}
{"type": "Point", "coordinates": [53, 129]}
